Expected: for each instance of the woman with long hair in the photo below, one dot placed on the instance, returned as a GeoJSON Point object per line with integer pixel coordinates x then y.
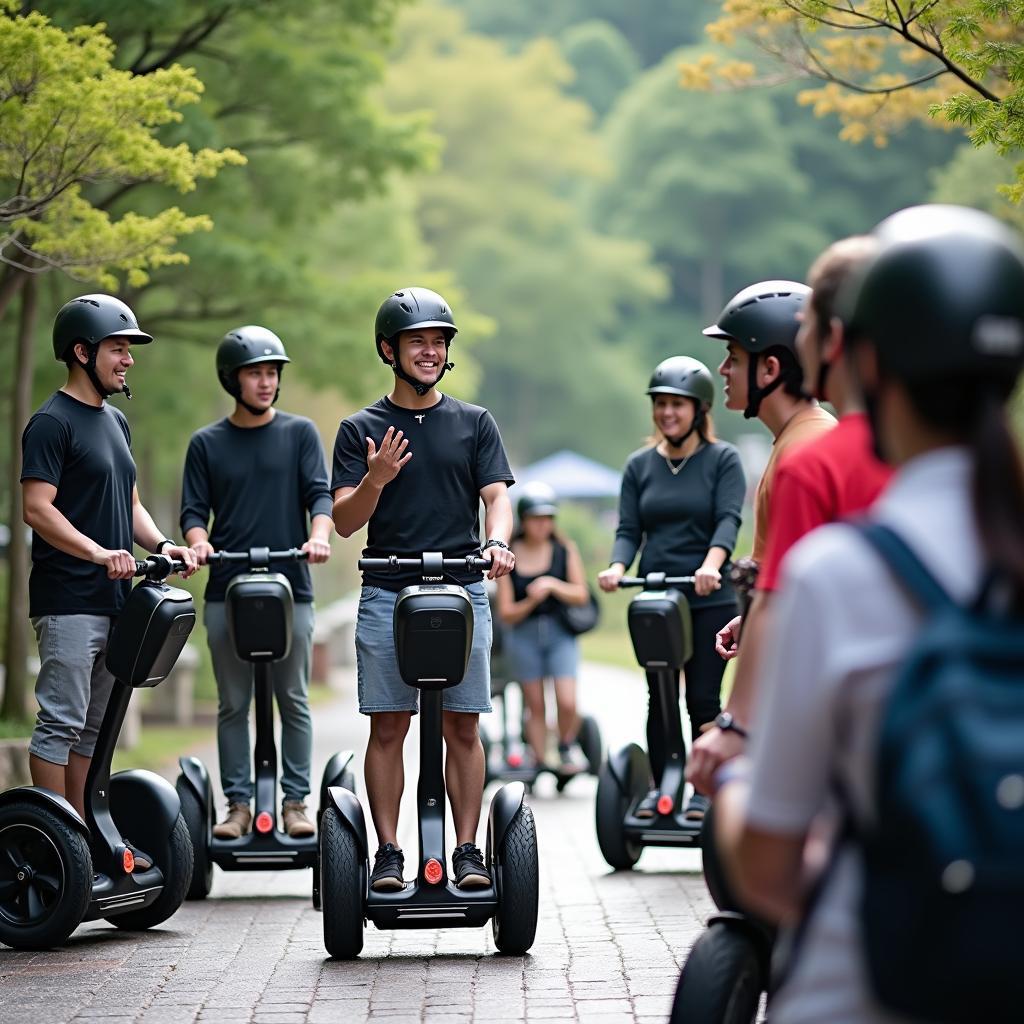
{"type": "Point", "coordinates": [680, 507]}
{"type": "Point", "coordinates": [548, 576]}
{"type": "Point", "coordinates": [936, 324]}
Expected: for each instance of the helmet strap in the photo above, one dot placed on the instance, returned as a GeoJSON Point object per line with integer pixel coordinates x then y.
{"type": "Point", "coordinates": [90, 371]}
{"type": "Point", "coordinates": [696, 425]}
{"type": "Point", "coordinates": [755, 394]}
{"type": "Point", "coordinates": [819, 387]}
{"type": "Point", "coordinates": [236, 392]}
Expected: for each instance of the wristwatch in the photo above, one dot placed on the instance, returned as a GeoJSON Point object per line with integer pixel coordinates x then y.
{"type": "Point", "coordinates": [164, 543]}
{"type": "Point", "coordinates": [492, 542]}
{"type": "Point", "coordinates": [727, 723]}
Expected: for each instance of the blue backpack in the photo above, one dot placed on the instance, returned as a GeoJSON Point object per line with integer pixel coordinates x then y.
{"type": "Point", "coordinates": [942, 909]}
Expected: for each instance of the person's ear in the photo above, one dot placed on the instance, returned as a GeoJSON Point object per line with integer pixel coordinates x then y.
{"type": "Point", "coordinates": [389, 352]}
{"type": "Point", "coordinates": [834, 346]}
{"type": "Point", "coordinates": [81, 352]}
{"type": "Point", "coordinates": [769, 369]}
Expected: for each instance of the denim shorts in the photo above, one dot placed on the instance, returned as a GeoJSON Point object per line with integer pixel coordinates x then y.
{"type": "Point", "coordinates": [380, 683]}
{"type": "Point", "coordinates": [540, 647]}
{"type": "Point", "coordinates": [73, 685]}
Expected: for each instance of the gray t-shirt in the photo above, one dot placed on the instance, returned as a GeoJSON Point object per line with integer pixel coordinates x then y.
{"type": "Point", "coordinates": [841, 626]}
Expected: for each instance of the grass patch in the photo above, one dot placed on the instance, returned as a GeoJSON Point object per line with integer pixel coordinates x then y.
{"type": "Point", "coordinates": [160, 746]}
{"type": "Point", "coordinates": [14, 730]}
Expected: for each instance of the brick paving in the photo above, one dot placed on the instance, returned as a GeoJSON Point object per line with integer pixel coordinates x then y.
{"type": "Point", "coordinates": [609, 946]}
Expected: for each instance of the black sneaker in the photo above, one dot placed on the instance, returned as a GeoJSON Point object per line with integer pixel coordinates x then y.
{"type": "Point", "coordinates": [648, 807]}
{"type": "Point", "coordinates": [697, 807]}
{"type": "Point", "coordinates": [470, 870]}
{"type": "Point", "coordinates": [387, 869]}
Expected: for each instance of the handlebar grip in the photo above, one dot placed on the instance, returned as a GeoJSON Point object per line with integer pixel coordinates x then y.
{"type": "Point", "coordinates": [288, 555]}
{"type": "Point", "coordinates": [664, 581]}
{"type": "Point", "coordinates": [147, 565]}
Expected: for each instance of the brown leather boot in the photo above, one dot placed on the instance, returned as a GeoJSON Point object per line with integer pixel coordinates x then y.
{"type": "Point", "coordinates": [296, 821]}
{"type": "Point", "coordinates": [237, 824]}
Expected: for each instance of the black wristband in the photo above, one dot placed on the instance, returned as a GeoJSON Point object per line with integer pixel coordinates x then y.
{"type": "Point", "coordinates": [160, 546]}
{"type": "Point", "coordinates": [493, 542]}
{"type": "Point", "coordinates": [727, 723]}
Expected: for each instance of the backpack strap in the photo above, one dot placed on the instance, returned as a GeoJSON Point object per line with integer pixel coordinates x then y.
{"type": "Point", "coordinates": [905, 566]}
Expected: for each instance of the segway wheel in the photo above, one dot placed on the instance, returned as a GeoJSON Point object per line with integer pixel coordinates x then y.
{"type": "Point", "coordinates": [45, 877]}
{"type": "Point", "coordinates": [198, 830]}
{"type": "Point", "coordinates": [516, 876]}
{"type": "Point", "coordinates": [348, 780]}
{"type": "Point", "coordinates": [610, 810]}
{"type": "Point", "coordinates": [343, 878]}
{"type": "Point", "coordinates": [176, 865]}
{"type": "Point", "coordinates": [589, 739]}
{"type": "Point", "coordinates": [721, 981]}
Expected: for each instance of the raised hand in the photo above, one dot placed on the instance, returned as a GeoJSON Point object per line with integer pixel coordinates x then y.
{"type": "Point", "coordinates": [383, 464]}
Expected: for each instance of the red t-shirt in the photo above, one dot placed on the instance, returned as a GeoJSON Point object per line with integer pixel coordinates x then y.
{"type": "Point", "coordinates": [832, 477]}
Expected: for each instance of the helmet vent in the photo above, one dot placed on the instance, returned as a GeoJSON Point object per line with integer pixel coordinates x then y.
{"type": "Point", "coordinates": [749, 302]}
{"type": "Point", "coordinates": [399, 295]}
{"type": "Point", "coordinates": [123, 317]}
{"type": "Point", "coordinates": [92, 302]}
{"type": "Point", "coordinates": [405, 307]}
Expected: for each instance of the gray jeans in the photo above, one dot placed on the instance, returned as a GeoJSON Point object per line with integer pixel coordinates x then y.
{"type": "Point", "coordinates": [235, 687]}
{"type": "Point", "coordinates": [73, 684]}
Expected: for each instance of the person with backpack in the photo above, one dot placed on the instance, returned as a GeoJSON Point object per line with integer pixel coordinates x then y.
{"type": "Point", "coordinates": [891, 687]}
{"type": "Point", "coordinates": [679, 507]}
{"type": "Point", "coordinates": [548, 576]}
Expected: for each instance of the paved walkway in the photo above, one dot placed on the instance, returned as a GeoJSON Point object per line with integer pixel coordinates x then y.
{"type": "Point", "coordinates": [609, 946]}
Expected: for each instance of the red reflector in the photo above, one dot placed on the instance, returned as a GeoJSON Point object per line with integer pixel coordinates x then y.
{"type": "Point", "coordinates": [264, 822]}
{"type": "Point", "coordinates": [515, 760]}
{"type": "Point", "coordinates": [432, 871]}
{"type": "Point", "coordinates": [665, 804]}
{"type": "Point", "coordinates": [128, 861]}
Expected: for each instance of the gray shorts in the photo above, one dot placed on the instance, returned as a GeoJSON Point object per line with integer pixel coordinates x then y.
{"type": "Point", "coordinates": [380, 684]}
{"type": "Point", "coordinates": [73, 684]}
{"type": "Point", "coordinates": [540, 647]}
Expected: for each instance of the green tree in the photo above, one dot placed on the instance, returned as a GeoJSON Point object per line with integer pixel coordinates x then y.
{"type": "Point", "coordinates": [603, 60]}
{"type": "Point", "coordinates": [70, 122]}
{"type": "Point", "coordinates": [886, 63]}
{"type": "Point", "coordinates": [501, 211]}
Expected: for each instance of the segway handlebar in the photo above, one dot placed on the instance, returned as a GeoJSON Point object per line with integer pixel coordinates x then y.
{"type": "Point", "coordinates": [395, 564]}
{"type": "Point", "coordinates": [258, 557]}
{"type": "Point", "coordinates": [158, 567]}
{"type": "Point", "coordinates": [655, 581]}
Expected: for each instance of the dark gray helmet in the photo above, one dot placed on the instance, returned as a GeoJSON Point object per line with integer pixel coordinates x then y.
{"type": "Point", "coordinates": [537, 499]}
{"type": "Point", "coordinates": [683, 375]}
{"type": "Point", "coordinates": [944, 296]}
{"type": "Point", "coordinates": [246, 346]}
{"type": "Point", "coordinates": [90, 319]}
{"type": "Point", "coordinates": [762, 316]}
{"type": "Point", "coordinates": [409, 308]}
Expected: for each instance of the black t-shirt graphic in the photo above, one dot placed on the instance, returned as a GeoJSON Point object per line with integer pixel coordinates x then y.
{"type": "Point", "coordinates": [85, 452]}
{"type": "Point", "coordinates": [434, 502]}
{"type": "Point", "coordinates": [263, 485]}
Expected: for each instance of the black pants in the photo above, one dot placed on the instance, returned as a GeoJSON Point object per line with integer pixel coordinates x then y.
{"type": "Point", "coordinates": [703, 674]}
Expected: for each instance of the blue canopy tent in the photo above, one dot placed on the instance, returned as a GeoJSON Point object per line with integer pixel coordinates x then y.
{"type": "Point", "coordinates": [572, 475]}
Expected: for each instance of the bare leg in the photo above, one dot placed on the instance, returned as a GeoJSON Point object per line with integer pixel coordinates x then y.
{"type": "Point", "coordinates": [536, 727]}
{"type": "Point", "coordinates": [384, 771]}
{"type": "Point", "coordinates": [464, 772]}
{"type": "Point", "coordinates": [47, 774]}
{"type": "Point", "coordinates": [77, 770]}
{"type": "Point", "coordinates": [568, 716]}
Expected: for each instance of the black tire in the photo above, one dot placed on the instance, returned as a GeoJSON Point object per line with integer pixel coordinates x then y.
{"type": "Point", "coordinates": [197, 823]}
{"type": "Point", "coordinates": [43, 911]}
{"type": "Point", "coordinates": [177, 870]}
{"type": "Point", "coordinates": [517, 882]}
{"type": "Point", "coordinates": [589, 739]}
{"type": "Point", "coordinates": [343, 877]}
{"type": "Point", "coordinates": [610, 812]}
{"type": "Point", "coordinates": [721, 981]}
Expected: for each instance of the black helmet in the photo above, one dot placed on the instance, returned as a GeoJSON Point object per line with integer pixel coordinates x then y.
{"type": "Point", "coordinates": [683, 375]}
{"type": "Point", "coordinates": [246, 346]}
{"type": "Point", "coordinates": [762, 316]}
{"type": "Point", "coordinates": [90, 319]}
{"type": "Point", "coordinates": [537, 499]}
{"type": "Point", "coordinates": [407, 309]}
{"type": "Point", "coordinates": [944, 295]}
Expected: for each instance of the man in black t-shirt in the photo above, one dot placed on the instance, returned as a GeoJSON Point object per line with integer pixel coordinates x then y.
{"type": "Point", "coordinates": [262, 475]}
{"type": "Point", "coordinates": [80, 499]}
{"type": "Point", "coordinates": [414, 467]}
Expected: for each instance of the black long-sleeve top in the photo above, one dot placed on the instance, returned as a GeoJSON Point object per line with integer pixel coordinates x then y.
{"type": "Point", "coordinates": [675, 519]}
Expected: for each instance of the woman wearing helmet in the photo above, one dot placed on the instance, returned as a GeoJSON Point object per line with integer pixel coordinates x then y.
{"type": "Point", "coordinates": [548, 574]}
{"type": "Point", "coordinates": [680, 508]}
{"type": "Point", "coordinates": [936, 324]}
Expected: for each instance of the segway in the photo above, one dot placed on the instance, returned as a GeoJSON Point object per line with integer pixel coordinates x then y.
{"type": "Point", "coordinates": [259, 609]}
{"type": "Point", "coordinates": [729, 966]}
{"type": "Point", "coordinates": [662, 636]}
{"type": "Point", "coordinates": [433, 632]}
{"type": "Point", "coordinates": [57, 870]}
